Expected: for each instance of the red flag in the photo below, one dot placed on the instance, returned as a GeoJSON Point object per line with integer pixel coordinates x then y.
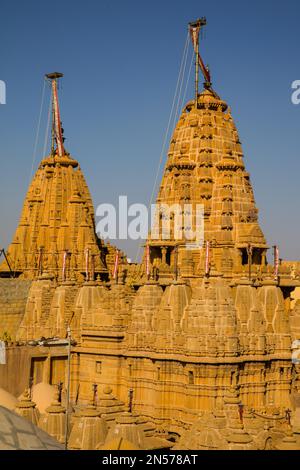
{"type": "Point", "coordinates": [87, 258]}
{"type": "Point", "coordinates": [115, 273]}
{"type": "Point", "coordinates": [204, 69]}
{"type": "Point", "coordinates": [207, 258]}
{"type": "Point", "coordinates": [148, 260]}
{"type": "Point", "coordinates": [64, 266]}
{"type": "Point", "coordinates": [276, 261]}
{"type": "Point", "coordinates": [40, 261]}
{"type": "Point", "coordinates": [93, 267]}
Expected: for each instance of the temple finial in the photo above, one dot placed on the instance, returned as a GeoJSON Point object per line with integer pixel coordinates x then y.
{"type": "Point", "coordinates": [194, 29]}
{"type": "Point", "coordinates": [57, 131]}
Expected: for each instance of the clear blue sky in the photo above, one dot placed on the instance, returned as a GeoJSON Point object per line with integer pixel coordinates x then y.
{"type": "Point", "coordinates": [121, 60]}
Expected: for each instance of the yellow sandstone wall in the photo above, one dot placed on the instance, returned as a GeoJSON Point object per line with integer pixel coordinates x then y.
{"type": "Point", "coordinates": [13, 298]}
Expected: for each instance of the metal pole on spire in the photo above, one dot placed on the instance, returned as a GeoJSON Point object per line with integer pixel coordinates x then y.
{"type": "Point", "coordinates": [194, 29]}
{"type": "Point", "coordinates": [53, 132]}
{"type": "Point", "coordinates": [57, 133]}
{"type": "Point", "coordinates": [197, 71]}
{"type": "Point", "coordinates": [194, 32]}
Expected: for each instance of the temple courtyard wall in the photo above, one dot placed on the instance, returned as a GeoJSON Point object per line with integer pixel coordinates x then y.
{"type": "Point", "coordinates": [168, 387]}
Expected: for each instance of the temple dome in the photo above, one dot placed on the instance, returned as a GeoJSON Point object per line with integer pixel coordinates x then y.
{"type": "Point", "coordinates": [43, 395]}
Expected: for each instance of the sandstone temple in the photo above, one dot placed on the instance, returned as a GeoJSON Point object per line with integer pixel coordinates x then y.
{"type": "Point", "coordinates": [193, 348]}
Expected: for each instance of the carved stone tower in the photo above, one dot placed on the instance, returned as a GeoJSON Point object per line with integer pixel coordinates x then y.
{"type": "Point", "coordinates": [205, 174]}
{"type": "Point", "coordinates": [56, 233]}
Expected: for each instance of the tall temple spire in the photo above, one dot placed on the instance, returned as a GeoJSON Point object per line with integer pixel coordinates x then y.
{"type": "Point", "coordinates": [205, 168]}
{"type": "Point", "coordinates": [57, 132]}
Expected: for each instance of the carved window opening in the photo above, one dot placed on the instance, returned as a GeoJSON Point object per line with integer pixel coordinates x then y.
{"type": "Point", "coordinates": [256, 257]}
{"type": "Point", "coordinates": [98, 367]}
{"type": "Point", "coordinates": [191, 377]}
{"type": "Point", "coordinates": [168, 256]}
{"type": "Point", "coordinates": [232, 377]}
{"type": "Point", "coordinates": [244, 256]}
{"type": "Point", "coordinates": [155, 253]}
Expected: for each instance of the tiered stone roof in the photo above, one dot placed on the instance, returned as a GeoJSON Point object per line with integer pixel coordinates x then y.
{"type": "Point", "coordinates": [205, 166]}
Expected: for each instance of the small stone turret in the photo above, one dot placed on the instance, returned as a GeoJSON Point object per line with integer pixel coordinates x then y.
{"type": "Point", "coordinates": [140, 333]}
{"type": "Point", "coordinates": [27, 408]}
{"type": "Point", "coordinates": [53, 421]}
{"type": "Point", "coordinates": [89, 430]}
{"type": "Point", "coordinates": [209, 322]}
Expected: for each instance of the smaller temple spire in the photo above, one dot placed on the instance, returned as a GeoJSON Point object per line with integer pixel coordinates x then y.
{"type": "Point", "coordinates": [57, 131]}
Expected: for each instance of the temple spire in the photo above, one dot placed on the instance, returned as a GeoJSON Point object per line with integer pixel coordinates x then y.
{"type": "Point", "coordinates": [57, 225]}
{"type": "Point", "coordinates": [194, 29]}
{"type": "Point", "coordinates": [57, 132]}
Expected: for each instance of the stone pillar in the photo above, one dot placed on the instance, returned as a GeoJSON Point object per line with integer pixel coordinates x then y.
{"type": "Point", "coordinates": [163, 255]}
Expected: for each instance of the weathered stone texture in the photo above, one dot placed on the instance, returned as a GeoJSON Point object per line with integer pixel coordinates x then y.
{"type": "Point", "coordinates": [199, 348]}
{"type": "Point", "coordinates": [13, 299]}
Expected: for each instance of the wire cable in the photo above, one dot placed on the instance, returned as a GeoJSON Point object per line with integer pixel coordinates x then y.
{"type": "Point", "coordinates": [37, 132]}
{"type": "Point", "coordinates": [175, 98]}
{"type": "Point", "coordinates": [48, 125]}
